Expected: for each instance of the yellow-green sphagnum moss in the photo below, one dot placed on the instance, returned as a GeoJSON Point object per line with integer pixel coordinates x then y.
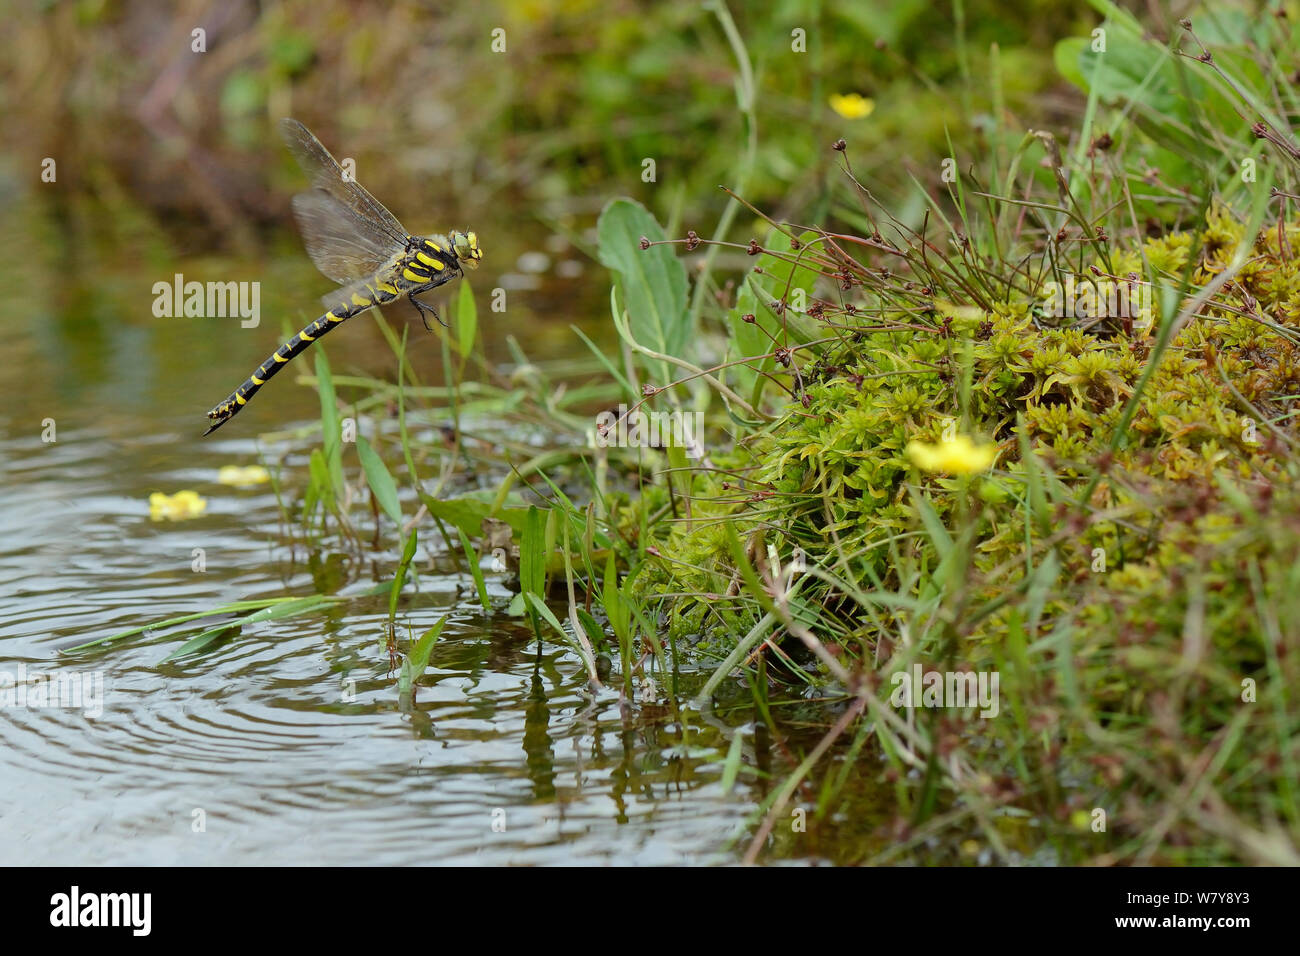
{"type": "Point", "coordinates": [831, 477]}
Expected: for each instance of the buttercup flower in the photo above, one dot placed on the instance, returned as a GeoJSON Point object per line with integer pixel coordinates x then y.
{"type": "Point", "coordinates": [242, 477]}
{"type": "Point", "coordinates": [959, 456]}
{"type": "Point", "coordinates": [177, 507]}
{"type": "Point", "coordinates": [852, 105]}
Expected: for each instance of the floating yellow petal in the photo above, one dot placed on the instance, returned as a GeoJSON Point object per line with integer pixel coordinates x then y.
{"type": "Point", "coordinates": [960, 456]}
{"type": "Point", "coordinates": [242, 477]}
{"type": "Point", "coordinates": [852, 105]}
{"type": "Point", "coordinates": [177, 507]}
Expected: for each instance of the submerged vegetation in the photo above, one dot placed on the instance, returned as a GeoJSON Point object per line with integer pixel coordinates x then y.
{"type": "Point", "coordinates": [1033, 434]}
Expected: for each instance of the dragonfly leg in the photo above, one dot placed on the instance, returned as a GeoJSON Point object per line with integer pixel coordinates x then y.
{"type": "Point", "coordinates": [424, 309]}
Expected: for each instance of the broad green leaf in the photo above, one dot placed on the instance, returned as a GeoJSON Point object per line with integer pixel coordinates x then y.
{"type": "Point", "coordinates": [653, 281]}
{"type": "Point", "coordinates": [771, 279]}
{"type": "Point", "coordinates": [380, 481]}
{"type": "Point", "coordinates": [786, 272]}
{"type": "Point", "coordinates": [532, 558]}
{"type": "Point", "coordinates": [467, 512]}
{"type": "Point", "coordinates": [1173, 99]}
{"type": "Point", "coordinates": [1068, 56]}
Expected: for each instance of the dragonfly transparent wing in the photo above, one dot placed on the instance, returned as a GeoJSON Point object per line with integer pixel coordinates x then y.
{"type": "Point", "coordinates": [327, 176]}
{"type": "Point", "coordinates": [337, 239]}
{"type": "Point", "coordinates": [362, 287]}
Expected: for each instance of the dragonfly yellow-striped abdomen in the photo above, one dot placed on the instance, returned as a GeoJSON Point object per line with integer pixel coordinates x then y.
{"type": "Point", "coordinates": [358, 243]}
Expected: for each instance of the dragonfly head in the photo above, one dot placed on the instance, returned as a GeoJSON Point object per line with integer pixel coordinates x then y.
{"type": "Point", "coordinates": [466, 247]}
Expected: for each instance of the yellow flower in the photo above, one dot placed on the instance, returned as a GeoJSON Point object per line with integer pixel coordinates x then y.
{"type": "Point", "coordinates": [177, 507]}
{"type": "Point", "coordinates": [241, 477]}
{"type": "Point", "coordinates": [959, 456]}
{"type": "Point", "coordinates": [852, 105]}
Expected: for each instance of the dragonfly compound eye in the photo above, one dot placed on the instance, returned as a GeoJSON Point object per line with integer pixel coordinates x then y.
{"type": "Point", "coordinates": [467, 250]}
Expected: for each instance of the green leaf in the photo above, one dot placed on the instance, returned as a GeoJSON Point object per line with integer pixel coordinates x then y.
{"type": "Point", "coordinates": [532, 558]}
{"type": "Point", "coordinates": [331, 433]}
{"type": "Point", "coordinates": [595, 634]}
{"type": "Point", "coordinates": [466, 320]}
{"type": "Point", "coordinates": [1068, 56]}
{"type": "Point", "coordinates": [234, 607]}
{"type": "Point", "coordinates": [471, 556]}
{"type": "Point", "coordinates": [286, 609]}
{"type": "Point", "coordinates": [771, 279]}
{"type": "Point", "coordinates": [408, 552]}
{"type": "Point", "coordinates": [731, 769]}
{"type": "Point", "coordinates": [786, 272]}
{"type": "Point", "coordinates": [1172, 102]}
{"type": "Point", "coordinates": [380, 481]}
{"type": "Point", "coordinates": [934, 525]}
{"type": "Point", "coordinates": [467, 512]}
{"type": "Point", "coordinates": [612, 599]}
{"type": "Point", "coordinates": [537, 606]}
{"type": "Point", "coordinates": [653, 281]}
{"type": "Point", "coordinates": [417, 658]}
{"type": "Point", "coordinates": [319, 489]}
{"type": "Point", "coordinates": [201, 640]}
{"type": "Point", "coordinates": [517, 606]}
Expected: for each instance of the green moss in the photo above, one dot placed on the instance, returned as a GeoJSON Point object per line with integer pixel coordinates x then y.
{"type": "Point", "coordinates": [1135, 590]}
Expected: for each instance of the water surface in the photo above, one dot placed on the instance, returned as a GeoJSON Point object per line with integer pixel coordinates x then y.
{"type": "Point", "coordinates": [287, 741]}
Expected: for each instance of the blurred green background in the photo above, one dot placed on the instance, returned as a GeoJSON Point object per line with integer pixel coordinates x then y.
{"type": "Point", "coordinates": [163, 151]}
{"type": "Point", "coordinates": [519, 121]}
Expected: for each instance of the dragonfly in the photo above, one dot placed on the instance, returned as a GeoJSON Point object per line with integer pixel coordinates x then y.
{"type": "Point", "coordinates": [354, 241]}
